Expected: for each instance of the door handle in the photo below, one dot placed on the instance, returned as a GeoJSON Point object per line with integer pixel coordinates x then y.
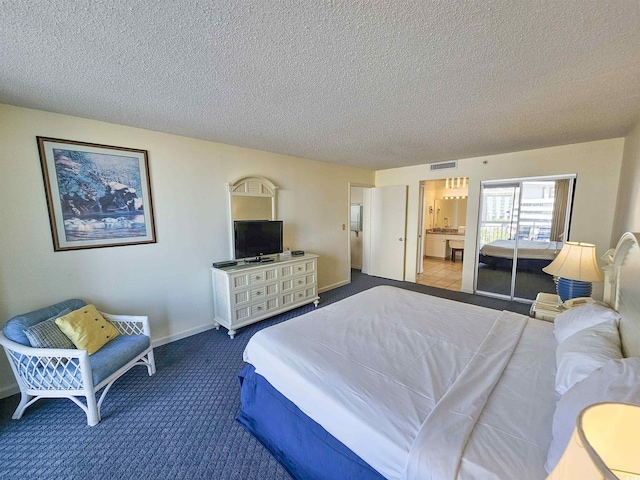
{"type": "Point", "coordinates": [400, 239]}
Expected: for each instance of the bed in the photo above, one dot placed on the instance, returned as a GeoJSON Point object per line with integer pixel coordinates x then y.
{"type": "Point", "coordinates": [395, 384]}
{"type": "Point", "coordinates": [532, 254]}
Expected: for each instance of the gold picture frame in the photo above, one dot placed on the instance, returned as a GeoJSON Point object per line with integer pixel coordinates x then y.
{"type": "Point", "coordinates": [97, 195]}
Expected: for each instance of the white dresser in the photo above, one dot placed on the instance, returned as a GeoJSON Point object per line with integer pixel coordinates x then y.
{"type": "Point", "coordinates": [247, 293]}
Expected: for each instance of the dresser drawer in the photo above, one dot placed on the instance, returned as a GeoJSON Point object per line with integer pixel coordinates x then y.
{"type": "Point", "coordinates": [266, 306]}
{"type": "Point", "coordinates": [298, 295]}
{"type": "Point", "coordinates": [256, 309]}
{"type": "Point", "coordinates": [238, 298]}
{"type": "Point", "coordinates": [297, 282]}
{"type": "Point", "coordinates": [263, 291]}
{"type": "Point", "coordinates": [243, 280]}
{"type": "Point", "coordinates": [266, 275]}
{"type": "Point", "coordinates": [297, 268]}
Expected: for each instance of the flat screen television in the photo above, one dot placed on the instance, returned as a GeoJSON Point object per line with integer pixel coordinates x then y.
{"type": "Point", "coordinates": [254, 238]}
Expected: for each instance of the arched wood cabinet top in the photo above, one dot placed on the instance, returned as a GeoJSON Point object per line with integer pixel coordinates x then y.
{"type": "Point", "coordinates": [253, 187]}
{"type": "Point", "coordinates": [251, 198]}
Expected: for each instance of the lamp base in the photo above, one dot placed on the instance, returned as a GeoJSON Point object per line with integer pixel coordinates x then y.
{"type": "Point", "coordinates": [568, 289]}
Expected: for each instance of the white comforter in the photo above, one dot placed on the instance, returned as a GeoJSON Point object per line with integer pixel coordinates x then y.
{"type": "Point", "coordinates": [526, 249]}
{"type": "Point", "coordinates": [417, 386]}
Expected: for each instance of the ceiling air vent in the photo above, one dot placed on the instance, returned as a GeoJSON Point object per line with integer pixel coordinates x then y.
{"type": "Point", "coordinates": [443, 165]}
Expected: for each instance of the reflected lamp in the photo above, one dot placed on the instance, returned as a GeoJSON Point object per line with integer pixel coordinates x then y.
{"type": "Point", "coordinates": [604, 445]}
{"type": "Point", "coordinates": [576, 267]}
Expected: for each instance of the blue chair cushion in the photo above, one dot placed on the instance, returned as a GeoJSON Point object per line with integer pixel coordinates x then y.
{"type": "Point", "coordinates": [14, 328]}
{"type": "Point", "coordinates": [115, 354]}
{"type": "Point", "coordinates": [51, 373]}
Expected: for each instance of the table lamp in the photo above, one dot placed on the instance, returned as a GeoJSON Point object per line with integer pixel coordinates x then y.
{"type": "Point", "coordinates": [576, 267]}
{"type": "Point", "coordinates": [604, 445]}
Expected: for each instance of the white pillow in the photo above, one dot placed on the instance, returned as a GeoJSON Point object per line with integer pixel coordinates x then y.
{"type": "Point", "coordinates": [616, 381]}
{"type": "Point", "coordinates": [578, 318]}
{"type": "Point", "coordinates": [586, 351]}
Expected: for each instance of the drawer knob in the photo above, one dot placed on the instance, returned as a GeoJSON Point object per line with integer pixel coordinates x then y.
{"type": "Point", "coordinates": [257, 277]}
{"type": "Point", "coordinates": [299, 295]}
{"type": "Point", "coordinates": [259, 308]}
{"type": "Point", "coordinates": [257, 293]}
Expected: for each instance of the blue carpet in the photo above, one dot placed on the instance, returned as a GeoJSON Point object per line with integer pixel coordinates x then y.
{"type": "Point", "coordinates": [178, 424]}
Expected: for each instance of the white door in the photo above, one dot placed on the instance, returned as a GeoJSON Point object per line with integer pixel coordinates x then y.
{"type": "Point", "coordinates": [388, 228]}
{"type": "Point", "coordinates": [419, 262]}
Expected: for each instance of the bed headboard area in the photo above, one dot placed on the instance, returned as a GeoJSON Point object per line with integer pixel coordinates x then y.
{"type": "Point", "coordinates": [622, 290]}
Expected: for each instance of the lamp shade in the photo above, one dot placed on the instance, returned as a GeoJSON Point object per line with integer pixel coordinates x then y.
{"type": "Point", "coordinates": [604, 445]}
{"type": "Point", "coordinates": [576, 261]}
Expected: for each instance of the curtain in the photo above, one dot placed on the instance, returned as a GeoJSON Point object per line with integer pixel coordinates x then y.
{"type": "Point", "coordinates": [559, 210]}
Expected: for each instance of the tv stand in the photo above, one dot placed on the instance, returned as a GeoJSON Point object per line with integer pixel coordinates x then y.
{"type": "Point", "coordinates": [260, 260]}
{"type": "Point", "coordinates": [252, 291]}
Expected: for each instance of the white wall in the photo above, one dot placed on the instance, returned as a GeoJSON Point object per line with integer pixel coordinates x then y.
{"type": "Point", "coordinates": [627, 218]}
{"type": "Point", "coordinates": [170, 280]}
{"type": "Point", "coordinates": [597, 165]}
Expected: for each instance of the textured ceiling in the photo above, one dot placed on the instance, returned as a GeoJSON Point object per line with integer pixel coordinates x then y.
{"type": "Point", "coordinates": [374, 84]}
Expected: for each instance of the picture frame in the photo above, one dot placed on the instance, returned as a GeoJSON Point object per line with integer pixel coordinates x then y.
{"type": "Point", "coordinates": [97, 195]}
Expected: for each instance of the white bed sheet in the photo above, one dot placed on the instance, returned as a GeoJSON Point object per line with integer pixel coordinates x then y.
{"type": "Point", "coordinates": [526, 249]}
{"type": "Point", "coordinates": [417, 386]}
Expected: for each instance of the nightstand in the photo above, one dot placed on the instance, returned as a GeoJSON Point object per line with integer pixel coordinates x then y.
{"type": "Point", "coordinates": [547, 306]}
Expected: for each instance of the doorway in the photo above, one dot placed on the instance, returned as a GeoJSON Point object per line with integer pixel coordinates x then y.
{"type": "Point", "coordinates": [522, 226]}
{"type": "Point", "coordinates": [356, 211]}
{"type": "Point", "coordinates": [383, 235]}
{"type": "Point", "coordinates": [441, 234]}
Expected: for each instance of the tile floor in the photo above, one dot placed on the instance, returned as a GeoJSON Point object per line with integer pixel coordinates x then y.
{"type": "Point", "coordinates": [441, 273]}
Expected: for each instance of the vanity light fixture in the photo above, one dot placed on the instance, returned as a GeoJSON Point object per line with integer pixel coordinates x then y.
{"type": "Point", "coordinates": [451, 197]}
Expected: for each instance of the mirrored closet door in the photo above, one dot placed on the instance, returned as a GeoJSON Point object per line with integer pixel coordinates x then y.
{"type": "Point", "coordinates": [522, 226]}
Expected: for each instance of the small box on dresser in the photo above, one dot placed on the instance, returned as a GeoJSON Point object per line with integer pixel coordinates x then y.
{"type": "Point", "coordinates": [249, 292]}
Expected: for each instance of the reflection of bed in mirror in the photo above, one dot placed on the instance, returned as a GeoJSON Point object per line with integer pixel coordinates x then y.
{"type": "Point", "coordinates": [390, 383]}
{"type": "Point", "coordinates": [532, 254]}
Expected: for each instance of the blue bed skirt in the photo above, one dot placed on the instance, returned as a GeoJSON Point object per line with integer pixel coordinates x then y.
{"type": "Point", "coordinates": [304, 448]}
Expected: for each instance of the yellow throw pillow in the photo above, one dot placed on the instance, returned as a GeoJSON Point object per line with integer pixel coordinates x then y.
{"type": "Point", "coordinates": [87, 329]}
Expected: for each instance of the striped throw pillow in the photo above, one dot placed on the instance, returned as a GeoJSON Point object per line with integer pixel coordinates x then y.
{"type": "Point", "coordinates": [47, 334]}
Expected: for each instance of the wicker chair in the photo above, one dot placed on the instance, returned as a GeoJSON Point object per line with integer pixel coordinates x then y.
{"type": "Point", "coordinates": [73, 373]}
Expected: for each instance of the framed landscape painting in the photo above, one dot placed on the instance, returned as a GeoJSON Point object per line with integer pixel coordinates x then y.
{"type": "Point", "coordinates": [97, 195]}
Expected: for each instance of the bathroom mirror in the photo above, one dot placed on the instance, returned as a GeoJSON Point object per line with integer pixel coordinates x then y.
{"type": "Point", "coordinates": [356, 217]}
{"type": "Point", "coordinates": [450, 213]}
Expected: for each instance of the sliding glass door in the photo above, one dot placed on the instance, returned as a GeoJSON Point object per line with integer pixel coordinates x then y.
{"type": "Point", "coordinates": [498, 226]}
{"type": "Point", "coordinates": [522, 226]}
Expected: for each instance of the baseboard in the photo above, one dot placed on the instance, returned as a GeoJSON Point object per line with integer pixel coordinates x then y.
{"type": "Point", "coordinates": [179, 336]}
{"type": "Point", "coordinates": [13, 389]}
{"type": "Point", "coordinates": [335, 285]}
{"type": "Point", "coordinates": [9, 390]}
